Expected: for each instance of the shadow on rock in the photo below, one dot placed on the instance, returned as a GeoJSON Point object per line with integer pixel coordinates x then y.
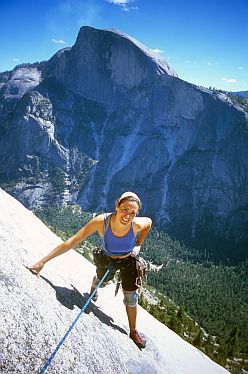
{"type": "Point", "coordinates": [72, 297]}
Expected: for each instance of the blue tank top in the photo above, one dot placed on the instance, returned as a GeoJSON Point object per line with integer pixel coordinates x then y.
{"type": "Point", "coordinates": [113, 245]}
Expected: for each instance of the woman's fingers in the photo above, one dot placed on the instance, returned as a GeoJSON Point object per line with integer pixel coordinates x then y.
{"type": "Point", "coordinates": [36, 268]}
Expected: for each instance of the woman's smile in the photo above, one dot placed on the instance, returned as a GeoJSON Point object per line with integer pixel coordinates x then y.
{"type": "Point", "coordinates": [125, 219]}
{"type": "Point", "coordinates": [127, 211]}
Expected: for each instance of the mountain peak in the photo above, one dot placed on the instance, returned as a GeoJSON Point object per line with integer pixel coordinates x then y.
{"type": "Point", "coordinates": [103, 64]}
{"type": "Point", "coordinates": [163, 66]}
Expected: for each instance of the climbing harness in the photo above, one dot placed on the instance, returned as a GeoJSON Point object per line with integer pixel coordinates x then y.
{"type": "Point", "coordinates": [48, 362]}
{"type": "Point", "coordinates": [141, 266]}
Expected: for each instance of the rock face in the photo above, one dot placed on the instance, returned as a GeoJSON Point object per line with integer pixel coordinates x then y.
{"type": "Point", "coordinates": [109, 115]}
{"type": "Point", "coordinates": [36, 313]}
{"type": "Point", "coordinates": [103, 65]}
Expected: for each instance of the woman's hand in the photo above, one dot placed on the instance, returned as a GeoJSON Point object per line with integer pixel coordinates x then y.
{"type": "Point", "coordinates": [135, 251]}
{"type": "Point", "coordinates": [36, 268]}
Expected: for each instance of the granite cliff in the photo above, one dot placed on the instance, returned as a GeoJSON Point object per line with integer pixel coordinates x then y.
{"type": "Point", "coordinates": [36, 313]}
{"type": "Point", "coordinates": [108, 115]}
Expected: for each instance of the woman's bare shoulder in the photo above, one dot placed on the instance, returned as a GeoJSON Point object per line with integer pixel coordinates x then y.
{"type": "Point", "coordinates": [98, 222]}
{"type": "Point", "coordinates": [101, 217]}
{"type": "Point", "coordinates": [142, 223]}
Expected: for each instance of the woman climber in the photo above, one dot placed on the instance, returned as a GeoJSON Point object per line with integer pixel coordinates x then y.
{"type": "Point", "coordinates": [122, 234]}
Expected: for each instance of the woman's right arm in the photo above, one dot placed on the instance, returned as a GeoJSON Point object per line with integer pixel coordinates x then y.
{"type": "Point", "coordinates": [92, 226]}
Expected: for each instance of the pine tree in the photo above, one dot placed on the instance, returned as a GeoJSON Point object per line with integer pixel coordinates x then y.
{"type": "Point", "coordinates": [222, 355]}
{"type": "Point", "coordinates": [208, 345]}
{"type": "Point", "coordinates": [154, 311]}
{"type": "Point", "coordinates": [175, 324]}
{"type": "Point", "coordinates": [232, 343]}
{"type": "Point", "coordinates": [142, 301]}
{"type": "Point", "coordinates": [181, 315]}
{"type": "Point", "coordinates": [197, 342]}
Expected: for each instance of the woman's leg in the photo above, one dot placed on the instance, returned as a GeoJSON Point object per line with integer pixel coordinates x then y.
{"type": "Point", "coordinates": [132, 317]}
{"type": "Point", "coordinates": [131, 297]}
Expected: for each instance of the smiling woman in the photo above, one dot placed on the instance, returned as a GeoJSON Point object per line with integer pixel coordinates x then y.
{"type": "Point", "coordinates": [126, 201]}
{"type": "Point", "coordinates": [122, 234]}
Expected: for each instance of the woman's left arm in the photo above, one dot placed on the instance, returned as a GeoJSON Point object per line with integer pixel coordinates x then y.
{"type": "Point", "coordinates": [143, 225]}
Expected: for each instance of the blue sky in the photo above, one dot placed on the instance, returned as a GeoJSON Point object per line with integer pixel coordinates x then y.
{"type": "Point", "coordinates": [205, 41]}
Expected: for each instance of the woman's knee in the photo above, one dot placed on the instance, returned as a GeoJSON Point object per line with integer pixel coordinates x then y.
{"type": "Point", "coordinates": [131, 298]}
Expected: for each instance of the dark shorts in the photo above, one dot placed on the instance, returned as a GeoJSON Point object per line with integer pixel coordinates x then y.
{"type": "Point", "coordinates": [127, 267]}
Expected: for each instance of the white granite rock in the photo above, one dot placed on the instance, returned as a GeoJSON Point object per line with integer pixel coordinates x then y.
{"type": "Point", "coordinates": [36, 313]}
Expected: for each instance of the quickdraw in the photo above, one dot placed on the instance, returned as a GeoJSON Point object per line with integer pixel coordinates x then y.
{"type": "Point", "coordinates": [141, 266]}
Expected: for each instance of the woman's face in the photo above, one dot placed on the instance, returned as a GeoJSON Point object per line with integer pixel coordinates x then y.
{"type": "Point", "coordinates": [126, 211]}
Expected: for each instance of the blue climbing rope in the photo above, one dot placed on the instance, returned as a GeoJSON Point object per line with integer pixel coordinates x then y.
{"type": "Point", "coordinates": [48, 362]}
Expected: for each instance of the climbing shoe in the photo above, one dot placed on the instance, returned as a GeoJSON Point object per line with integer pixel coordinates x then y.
{"type": "Point", "coordinates": [95, 297]}
{"type": "Point", "coordinates": [137, 339]}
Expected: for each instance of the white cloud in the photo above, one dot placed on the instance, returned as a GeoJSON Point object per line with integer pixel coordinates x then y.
{"type": "Point", "coordinates": [187, 61]}
{"type": "Point", "coordinates": [240, 67]}
{"type": "Point", "coordinates": [157, 50]}
{"type": "Point", "coordinates": [58, 41]}
{"type": "Point", "coordinates": [131, 8]}
{"type": "Point", "coordinates": [119, 2]}
{"type": "Point", "coordinates": [229, 80]}
{"type": "Point", "coordinates": [124, 4]}
{"type": "Point", "coordinates": [210, 63]}
{"type": "Point", "coordinates": [16, 59]}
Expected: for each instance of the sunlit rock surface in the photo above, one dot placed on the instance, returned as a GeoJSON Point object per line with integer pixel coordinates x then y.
{"type": "Point", "coordinates": [36, 313]}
